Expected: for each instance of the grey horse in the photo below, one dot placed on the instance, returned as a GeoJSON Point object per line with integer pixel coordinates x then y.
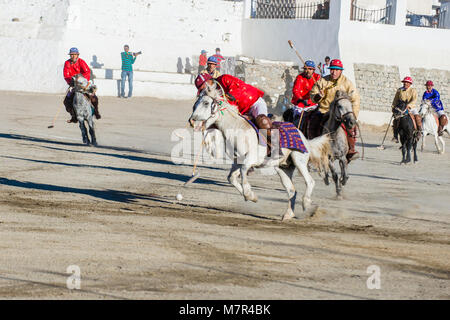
{"type": "Point", "coordinates": [341, 112]}
{"type": "Point", "coordinates": [83, 109]}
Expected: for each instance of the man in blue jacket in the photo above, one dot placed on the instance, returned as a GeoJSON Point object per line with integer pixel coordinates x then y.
{"type": "Point", "coordinates": [433, 95]}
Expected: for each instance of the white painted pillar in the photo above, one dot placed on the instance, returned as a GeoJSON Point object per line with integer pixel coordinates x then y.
{"type": "Point", "coordinates": [400, 13]}
{"type": "Point", "coordinates": [339, 11]}
{"type": "Point", "coordinates": [247, 9]}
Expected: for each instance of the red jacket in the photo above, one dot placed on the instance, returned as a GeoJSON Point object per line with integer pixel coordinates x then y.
{"type": "Point", "coordinates": [202, 60]}
{"type": "Point", "coordinates": [71, 69]}
{"type": "Point", "coordinates": [245, 94]}
{"type": "Point", "coordinates": [219, 58]}
{"type": "Point", "coordinates": [302, 87]}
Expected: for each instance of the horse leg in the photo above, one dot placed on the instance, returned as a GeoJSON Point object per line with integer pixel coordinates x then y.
{"type": "Point", "coordinates": [415, 151]}
{"type": "Point", "coordinates": [326, 178]}
{"type": "Point", "coordinates": [301, 162]}
{"type": "Point", "coordinates": [424, 134]}
{"type": "Point", "coordinates": [436, 143]}
{"type": "Point", "coordinates": [408, 150]}
{"type": "Point", "coordinates": [84, 132]}
{"type": "Point", "coordinates": [232, 177]}
{"type": "Point", "coordinates": [247, 188]}
{"type": "Point", "coordinates": [286, 179]}
{"type": "Point", "coordinates": [335, 179]}
{"type": "Point", "coordinates": [403, 153]}
{"type": "Point", "coordinates": [443, 144]}
{"type": "Point", "coordinates": [92, 131]}
{"type": "Point", "coordinates": [344, 174]}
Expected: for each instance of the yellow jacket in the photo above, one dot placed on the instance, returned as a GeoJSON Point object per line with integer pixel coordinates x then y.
{"type": "Point", "coordinates": [330, 87]}
{"type": "Point", "coordinates": [409, 96]}
{"type": "Point", "coordinates": [215, 74]}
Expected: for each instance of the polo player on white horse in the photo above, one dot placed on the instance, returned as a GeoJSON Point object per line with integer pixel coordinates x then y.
{"type": "Point", "coordinates": [72, 67]}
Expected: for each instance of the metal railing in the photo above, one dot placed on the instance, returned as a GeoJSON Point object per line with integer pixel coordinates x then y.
{"type": "Point", "coordinates": [382, 15]}
{"type": "Point", "coordinates": [289, 9]}
{"type": "Point", "coordinates": [427, 21]}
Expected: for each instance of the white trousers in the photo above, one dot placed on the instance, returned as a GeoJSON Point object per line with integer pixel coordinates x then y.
{"type": "Point", "coordinates": [259, 107]}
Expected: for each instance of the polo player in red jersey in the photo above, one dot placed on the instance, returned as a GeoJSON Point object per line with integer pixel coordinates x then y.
{"type": "Point", "coordinates": [72, 67]}
{"type": "Point", "coordinates": [300, 94]}
{"type": "Point", "coordinates": [247, 98]}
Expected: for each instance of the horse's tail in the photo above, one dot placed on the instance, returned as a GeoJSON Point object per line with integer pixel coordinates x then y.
{"type": "Point", "coordinates": [319, 152]}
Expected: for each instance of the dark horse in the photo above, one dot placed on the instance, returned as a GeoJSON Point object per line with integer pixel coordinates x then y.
{"type": "Point", "coordinates": [408, 135]}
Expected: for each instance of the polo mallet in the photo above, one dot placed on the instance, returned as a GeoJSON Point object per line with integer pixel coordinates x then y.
{"type": "Point", "coordinates": [291, 44]}
{"type": "Point", "coordinates": [195, 176]}
{"type": "Point", "coordinates": [381, 146]}
{"type": "Point", "coordinates": [57, 113]}
{"type": "Point", "coordinates": [54, 119]}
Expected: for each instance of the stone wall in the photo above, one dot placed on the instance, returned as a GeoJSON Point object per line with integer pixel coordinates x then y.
{"type": "Point", "coordinates": [440, 78]}
{"type": "Point", "coordinates": [276, 79]}
{"type": "Point", "coordinates": [377, 85]}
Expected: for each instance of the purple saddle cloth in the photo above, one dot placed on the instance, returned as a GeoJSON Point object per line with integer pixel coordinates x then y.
{"type": "Point", "coordinates": [288, 133]}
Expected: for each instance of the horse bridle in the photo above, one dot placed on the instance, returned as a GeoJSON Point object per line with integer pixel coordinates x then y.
{"type": "Point", "coordinates": [340, 119]}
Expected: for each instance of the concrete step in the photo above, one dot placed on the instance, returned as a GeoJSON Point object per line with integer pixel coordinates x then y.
{"type": "Point", "coordinates": [163, 77]}
{"type": "Point", "coordinates": [175, 91]}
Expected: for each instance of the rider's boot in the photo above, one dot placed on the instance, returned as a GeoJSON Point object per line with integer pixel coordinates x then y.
{"type": "Point", "coordinates": [351, 138]}
{"type": "Point", "coordinates": [443, 121]}
{"type": "Point", "coordinates": [68, 103]}
{"type": "Point", "coordinates": [395, 129]}
{"type": "Point", "coordinates": [263, 122]}
{"type": "Point", "coordinates": [94, 101]}
{"type": "Point", "coordinates": [418, 120]}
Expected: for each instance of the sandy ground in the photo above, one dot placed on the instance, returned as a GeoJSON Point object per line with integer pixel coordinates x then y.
{"type": "Point", "coordinates": [112, 211]}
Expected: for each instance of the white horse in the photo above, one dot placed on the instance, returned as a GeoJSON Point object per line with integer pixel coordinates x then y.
{"type": "Point", "coordinates": [429, 126]}
{"type": "Point", "coordinates": [242, 145]}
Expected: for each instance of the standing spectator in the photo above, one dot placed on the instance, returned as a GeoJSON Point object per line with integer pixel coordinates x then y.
{"type": "Point", "coordinates": [435, 20]}
{"type": "Point", "coordinates": [219, 58]}
{"type": "Point", "coordinates": [326, 67]}
{"type": "Point", "coordinates": [326, 10]}
{"type": "Point", "coordinates": [319, 12]}
{"type": "Point", "coordinates": [202, 61]}
{"type": "Point", "coordinates": [128, 59]}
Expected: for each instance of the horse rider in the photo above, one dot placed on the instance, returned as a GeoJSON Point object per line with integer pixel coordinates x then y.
{"type": "Point", "coordinates": [300, 93]}
{"type": "Point", "coordinates": [324, 92]}
{"type": "Point", "coordinates": [435, 99]}
{"type": "Point", "coordinates": [72, 67]}
{"type": "Point", "coordinates": [407, 94]}
{"type": "Point", "coordinates": [247, 98]}
{"type": "Point", "coordinates": [211, 68]}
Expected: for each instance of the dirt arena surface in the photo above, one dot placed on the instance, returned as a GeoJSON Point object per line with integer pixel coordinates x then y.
{"type": "Point", "coordinates": [112, 211]}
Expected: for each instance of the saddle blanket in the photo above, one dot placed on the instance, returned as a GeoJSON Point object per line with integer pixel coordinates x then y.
{"type": "Point", "coordinates": [288, 133]}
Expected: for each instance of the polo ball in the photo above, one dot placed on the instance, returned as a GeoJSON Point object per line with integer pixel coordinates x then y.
{"type": "Point", "coordinates": [179, 197]}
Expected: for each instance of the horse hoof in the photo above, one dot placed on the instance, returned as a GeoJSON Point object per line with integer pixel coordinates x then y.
{"type": "Point", "coordinates": [287, 216]}
{"type": "Point", "coordinates": [306, 203]}
{"type": "Point", "coordinates": [252, 197]}
{"type": "Point", "coordinates": [339, 197]}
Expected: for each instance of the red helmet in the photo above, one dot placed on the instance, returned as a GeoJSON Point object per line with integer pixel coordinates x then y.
{"type": "Point", "coordinates": [429, 83]}
{"type": "Point", "coordinates": [407, 79]}
{"type": "Point", "coordinates": [201, 79]}
{"type": "Point", "coordinates": [336, 64]}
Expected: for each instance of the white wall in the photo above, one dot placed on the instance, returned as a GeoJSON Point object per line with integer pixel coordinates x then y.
{"type": "Point", "coordinates": [314, 39]}
{"type": "Point", "coordinates": [35, 47]}
{"type": "Point", "coordinates": [351, 41]}
{"type": "Point", "coordinates": [30, 59]}
{"type": "Point", "coordinates": [164, 30]}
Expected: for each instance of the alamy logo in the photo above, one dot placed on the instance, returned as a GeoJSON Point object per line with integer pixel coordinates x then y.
{"type": "Point", "coordinates": [74, 280]}
{"type": "Point", "coordinates": [374, 281]}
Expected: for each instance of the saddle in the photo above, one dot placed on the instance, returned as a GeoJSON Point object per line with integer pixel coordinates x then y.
{"type": "Point", "coordinates": [289, 136]}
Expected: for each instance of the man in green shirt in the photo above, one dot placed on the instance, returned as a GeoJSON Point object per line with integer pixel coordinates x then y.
{"type": "Point", "coordinates": [128, 58]}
